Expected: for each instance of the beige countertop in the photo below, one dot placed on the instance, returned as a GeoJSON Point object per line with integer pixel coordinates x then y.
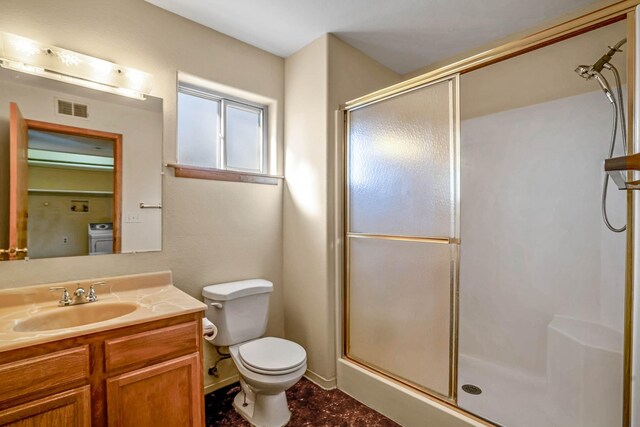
{"type": "Point", "coordinates": [152, 294]}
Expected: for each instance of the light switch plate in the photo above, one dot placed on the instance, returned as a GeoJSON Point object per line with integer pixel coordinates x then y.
{"type": "Point", "coordinates": [131, 217]}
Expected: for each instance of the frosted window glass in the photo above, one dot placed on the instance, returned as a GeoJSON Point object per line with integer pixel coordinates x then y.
{"type": "Point", "coordinates": [198, 131]}
{"type": "Point", "coordinates": [243, 139]}
{"type": "Point", "coordinates": [399, 309]}
{"type": "Point", "coordinates": [400, 162]}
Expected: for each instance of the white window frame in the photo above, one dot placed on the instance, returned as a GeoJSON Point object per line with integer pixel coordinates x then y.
{"type": "Point", "coordinates": [223, 102]}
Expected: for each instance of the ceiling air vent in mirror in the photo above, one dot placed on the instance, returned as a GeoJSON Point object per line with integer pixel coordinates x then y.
{"type": "Point", "coordinates": [68, 108]}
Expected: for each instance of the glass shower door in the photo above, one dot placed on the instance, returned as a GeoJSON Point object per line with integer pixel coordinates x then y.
{"type": "Point", "coordinates": [402, 236]}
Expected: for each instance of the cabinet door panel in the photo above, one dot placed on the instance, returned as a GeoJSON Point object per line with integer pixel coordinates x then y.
{"type": "Point", "coordinates": [167, 394]}
{"type": "Point", "coordinates": [150, 346]}
{"type": "Point", "coordinates": [35, 374]}
{"type": "Point", "coordinates": [67, 409]}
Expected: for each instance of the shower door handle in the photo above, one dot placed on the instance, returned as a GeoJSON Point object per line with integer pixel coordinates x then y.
{"type": "Point", "coordinates": [624, 163]}
{"type": "Point", "coordinates": [616, 167]}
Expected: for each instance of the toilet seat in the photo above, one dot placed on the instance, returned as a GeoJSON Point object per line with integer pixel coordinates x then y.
{"type": "Point", "coordinates": [272, 356]}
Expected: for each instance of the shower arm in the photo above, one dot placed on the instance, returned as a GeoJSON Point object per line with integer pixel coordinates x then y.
{"type": "Point", "coordinates": [606, 58]}
{"type": "Point", "coordinates": [616, 168]}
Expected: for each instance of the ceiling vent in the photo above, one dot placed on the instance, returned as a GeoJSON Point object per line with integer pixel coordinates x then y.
{"type": "Point", "coordinates": [68, 108]}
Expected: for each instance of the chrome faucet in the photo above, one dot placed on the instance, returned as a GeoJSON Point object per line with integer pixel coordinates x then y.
{"type": "Point", "coordinates": [80, 296]}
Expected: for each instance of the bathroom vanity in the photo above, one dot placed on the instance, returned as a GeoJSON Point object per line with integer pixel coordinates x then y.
{"type": "Point", "coordinates": [141, 368]}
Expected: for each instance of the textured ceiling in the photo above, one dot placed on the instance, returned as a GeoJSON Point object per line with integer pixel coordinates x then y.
{"type": "Point", "coordinates": [402, 34]}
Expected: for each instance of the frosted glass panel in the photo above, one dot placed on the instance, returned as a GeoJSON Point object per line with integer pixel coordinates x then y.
{"type": "Point", "coordinates": [399, 309]}
{"type": "Point", "coordinates": [400, 162]}
{"type": "Point", "coordinates": [198, 131]}
{"type": "Point", "coordinates": [244, 139]}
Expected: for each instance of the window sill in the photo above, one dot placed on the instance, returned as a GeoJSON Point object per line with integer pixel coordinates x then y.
{"type": "Point", "coordinates": [185, 171]}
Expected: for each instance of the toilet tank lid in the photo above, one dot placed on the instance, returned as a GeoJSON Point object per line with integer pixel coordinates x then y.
{"type": "Point", "coordinates": [233, 290]}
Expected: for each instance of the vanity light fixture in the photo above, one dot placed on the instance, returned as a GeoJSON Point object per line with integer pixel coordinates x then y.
{"type": "Point", "coordinates": [31, 57]}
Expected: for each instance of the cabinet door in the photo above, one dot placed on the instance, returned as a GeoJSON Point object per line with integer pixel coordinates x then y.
{"type": "Point", "coordinates": [67, 409]}
{"type": "Point", "coordinates": [167, 394]}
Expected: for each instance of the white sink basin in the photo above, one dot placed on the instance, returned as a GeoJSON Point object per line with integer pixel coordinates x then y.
{"type": "Point", "coordinates": [77, 315]}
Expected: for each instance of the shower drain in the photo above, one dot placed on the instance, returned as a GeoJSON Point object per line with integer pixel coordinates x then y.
{"type": "Point", "coordinates": [471, 389]}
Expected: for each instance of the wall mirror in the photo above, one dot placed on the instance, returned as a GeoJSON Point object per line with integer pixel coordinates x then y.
{"type": "Point", "coordinates": [80, 170]}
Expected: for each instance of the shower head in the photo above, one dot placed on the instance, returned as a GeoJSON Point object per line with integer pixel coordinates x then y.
{"type": "Point", "coordinates": [593, 72]}
{"type": "Point", "coordinates": [584, 71]}
{"type": "Point", "coordinates": [589, 73]}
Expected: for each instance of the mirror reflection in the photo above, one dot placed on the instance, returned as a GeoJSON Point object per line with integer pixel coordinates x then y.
{"type": "Point", "coordinates": [72, 193]}
{"type": "Point", "coordinates": [70, 182]}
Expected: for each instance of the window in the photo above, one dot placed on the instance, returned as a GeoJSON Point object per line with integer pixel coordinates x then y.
{"type": "Point", "coordinates": [216, 131]}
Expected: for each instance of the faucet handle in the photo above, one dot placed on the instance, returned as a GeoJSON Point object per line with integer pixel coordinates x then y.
{"type": "Point", "coordinates": [92, 297]}
{"type": "Point", "coordinates": [65, 299]}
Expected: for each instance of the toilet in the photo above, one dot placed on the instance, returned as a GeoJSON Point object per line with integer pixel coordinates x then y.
{"type": "Point", "coordinates": [268, 366]}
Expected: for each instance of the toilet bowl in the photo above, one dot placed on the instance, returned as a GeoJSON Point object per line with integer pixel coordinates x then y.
{"type": "Point", "coordinates": [268, 366]}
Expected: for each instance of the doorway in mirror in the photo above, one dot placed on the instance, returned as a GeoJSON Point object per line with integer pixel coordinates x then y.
{"type": "Point", "coordinates": [66, 186]}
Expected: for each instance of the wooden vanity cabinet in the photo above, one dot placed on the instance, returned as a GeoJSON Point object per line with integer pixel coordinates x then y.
{"type": "Point", "coordinates": [142, 375]}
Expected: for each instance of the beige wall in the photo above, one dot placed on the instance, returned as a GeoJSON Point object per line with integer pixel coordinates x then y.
{"type": "Point", "coordinates": [50, 178]}
{"type": "Point", "coordinates": [319, 77]}
{"type": "Point", "coordinates": [306, 301]}
{"type": "Point", "coordinates": [51, 221]}
{"type": "Point", "coordinates": [213, 231]}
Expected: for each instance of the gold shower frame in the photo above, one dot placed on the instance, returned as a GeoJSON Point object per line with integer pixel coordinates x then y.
{"type": "Point", "coordinates": [584, 22]}
{"type": "Point", "coordinates": [452, 241]}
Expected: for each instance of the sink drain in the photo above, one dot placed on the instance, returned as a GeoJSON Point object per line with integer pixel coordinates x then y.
{"type": "Point", "coordinates": [471, 389]}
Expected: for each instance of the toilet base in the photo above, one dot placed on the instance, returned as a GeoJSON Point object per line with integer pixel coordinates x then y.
{"type": "Point", "coordinates": [262, 410]}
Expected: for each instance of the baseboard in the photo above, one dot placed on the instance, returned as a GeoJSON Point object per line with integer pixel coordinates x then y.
{"type": "Point", "coordinates": [225, 382]}
{"type": "Point", "coordinates": [320, 381]}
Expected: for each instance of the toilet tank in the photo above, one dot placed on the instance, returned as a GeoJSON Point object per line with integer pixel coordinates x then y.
{"type": "Point", "coordinates": [239, 310]}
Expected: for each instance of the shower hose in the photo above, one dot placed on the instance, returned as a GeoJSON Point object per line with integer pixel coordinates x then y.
{"type": "Point", "coordinates": [618, 114]}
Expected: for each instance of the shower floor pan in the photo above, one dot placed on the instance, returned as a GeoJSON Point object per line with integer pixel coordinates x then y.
{"type": "Point", "coordinates": [582, 386]}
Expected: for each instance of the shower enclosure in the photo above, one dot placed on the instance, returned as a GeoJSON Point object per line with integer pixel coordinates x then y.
{"type": "Point", "coordinates": [477, 268]}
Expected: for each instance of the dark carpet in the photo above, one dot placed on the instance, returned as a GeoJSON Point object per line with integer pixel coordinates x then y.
{"type": "Point", "coordinates": [310, 406]}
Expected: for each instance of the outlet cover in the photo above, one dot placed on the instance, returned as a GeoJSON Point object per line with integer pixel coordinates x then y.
{"type": "Point", "coordinates": [132, 217]}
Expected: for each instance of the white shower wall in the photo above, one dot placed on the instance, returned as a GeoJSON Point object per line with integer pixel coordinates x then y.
{"type": "Point", "coordinates": [533, 244]}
